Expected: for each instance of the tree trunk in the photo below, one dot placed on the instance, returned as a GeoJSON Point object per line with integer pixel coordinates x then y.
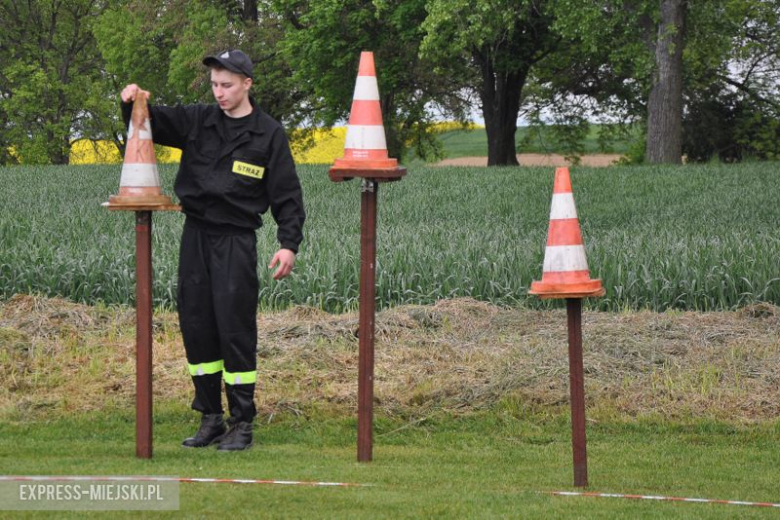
{"type": "Point", "coordinates": [500, 95]}
{"type": "Point", "coordinates": [58, 154]}
{"type": "Point", "coordinates": [249, 13]}
{"type": "Point", "coordinates": [664, 107]}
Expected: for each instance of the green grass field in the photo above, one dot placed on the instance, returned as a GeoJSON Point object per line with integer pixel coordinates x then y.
{"type": "Point", "coordinates": [473, 142]}
{"type": "Point", "coordinates": [471, 413]}
{"type": "Point", "coordinates": [472, 420]}
{"type": "Point", "coordinates": [694, 237]}
{"type": "Point", "coordinates": [491, 465]}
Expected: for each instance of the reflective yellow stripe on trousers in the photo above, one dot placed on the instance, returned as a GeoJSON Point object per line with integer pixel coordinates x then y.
{"type": "Point", "coordinates": [201, 369]}
{"type": "Point", "coordinates": [240, 378]}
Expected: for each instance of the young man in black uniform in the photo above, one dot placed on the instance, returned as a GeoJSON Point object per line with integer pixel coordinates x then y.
{"type": "Point", "coordinates": [236, 163]}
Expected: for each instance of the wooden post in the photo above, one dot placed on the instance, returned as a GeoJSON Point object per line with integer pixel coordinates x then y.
{"type": "Point", "coordinates": [369, 189]}
{"type": "Point", "coordinates": [143, 309]}
{"type": "Point", "coordinates": [577, 391]}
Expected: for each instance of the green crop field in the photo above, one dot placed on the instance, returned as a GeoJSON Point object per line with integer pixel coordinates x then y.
{"type": "Point", "coordinates": [695, 237]}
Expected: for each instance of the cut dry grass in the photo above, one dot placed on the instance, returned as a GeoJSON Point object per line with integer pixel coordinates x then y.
{"type": "Point", "coordinates": [460, 355]}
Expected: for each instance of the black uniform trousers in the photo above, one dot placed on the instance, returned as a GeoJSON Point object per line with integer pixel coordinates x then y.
{"type": "Point", "coordinates": [217, 303]}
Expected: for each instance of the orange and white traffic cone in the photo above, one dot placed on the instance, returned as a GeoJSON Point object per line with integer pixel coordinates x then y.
{"type": "Point", "coordinates": [366, 146]}
{"type": "Point", "coordinates": [565, 272]}
{"type": "Point", "coordinates": [140, 181]}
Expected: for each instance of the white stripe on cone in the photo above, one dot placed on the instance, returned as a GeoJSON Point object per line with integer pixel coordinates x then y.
{"type": "Point", "coordinates": [366, 137]}
{"type": "Point", "coordinates": [366, 89]}
{"type": "Point", "coordinates": [139, 175]}
{"type": "Point", "coordinates": [562, 206]}
{"type": "Point", "coordinates": [565, 258]}
{"type": "Point", "coordinates": [145, 135]}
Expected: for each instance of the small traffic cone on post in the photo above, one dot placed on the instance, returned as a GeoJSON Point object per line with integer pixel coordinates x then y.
{"type": "Point", "coordinates": [139, 184]}
{"type": "Point", "coordinates": [365, 150]}
{"type": "Point", "coordinates": [139, 191]}
{"type": "Point", "coordinates": [565, 272]}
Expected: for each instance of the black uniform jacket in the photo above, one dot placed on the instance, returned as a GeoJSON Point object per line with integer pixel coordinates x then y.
{"type": "Point", "coordinates": [223, 184]}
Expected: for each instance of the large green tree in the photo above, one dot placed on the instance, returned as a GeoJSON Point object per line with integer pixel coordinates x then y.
{"type": "Point", "coordinates": [322, 43]}
{"type": "Point", "coordinates": [52, 85]}
{"type": "Point", "coordinates": [674, 65]}
{"type": "Point", "coordinates": [500, 42]}
{"type": "Point", "coordinates": [631, 50]}
{"type": "Point", "coordinates": [733, 108]}
{"type": "Point", "coordinates": [160, 44]}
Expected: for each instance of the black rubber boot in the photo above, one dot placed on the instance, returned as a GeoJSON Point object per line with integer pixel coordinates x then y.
{"type": "Point", "coordinates": [238, 437]}
{"type": "Point", "coordinates": [212, 429]}
{"type": "Point", "coordinates": [241, 402]}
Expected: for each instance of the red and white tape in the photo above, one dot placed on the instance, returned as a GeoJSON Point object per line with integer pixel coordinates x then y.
{"type": "Point", "coordinates": [76, 478]}
{"type": "Point", "coordinates": [655, 497]}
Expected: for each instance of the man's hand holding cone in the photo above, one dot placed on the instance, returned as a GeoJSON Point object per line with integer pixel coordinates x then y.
{"type": "Point", "coordinates": [130, 91]}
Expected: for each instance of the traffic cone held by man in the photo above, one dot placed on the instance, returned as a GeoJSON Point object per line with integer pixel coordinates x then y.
{"type": "Point", "coordinates": [565, 272]}
{"type": "Point", "coordinates": [140, 181]}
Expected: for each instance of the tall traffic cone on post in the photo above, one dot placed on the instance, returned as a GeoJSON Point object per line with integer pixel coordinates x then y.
{"type": "Point", "coordinates": [566, 275]}
{"type": "Point", "coordinates": [565, 272]}
{"type": "Point", "coordinates": [365, 149]}
{"type": "Point", "coordinates": [140, 180]}
{"type": "Point", "coordinates": [365, 156]}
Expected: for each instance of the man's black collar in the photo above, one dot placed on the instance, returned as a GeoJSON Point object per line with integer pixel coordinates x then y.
{"type": "Point", "coordinates": [214, 117]}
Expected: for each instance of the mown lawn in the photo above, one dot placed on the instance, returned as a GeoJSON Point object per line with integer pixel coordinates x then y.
{"type": "Point", "coordinates": [487, 465]}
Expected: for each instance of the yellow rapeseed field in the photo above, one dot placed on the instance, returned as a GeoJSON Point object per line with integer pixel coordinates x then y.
{"type": "Point", "coordinates": [86, 151]}
{"type": "Point", "coordinates": [329, 146]}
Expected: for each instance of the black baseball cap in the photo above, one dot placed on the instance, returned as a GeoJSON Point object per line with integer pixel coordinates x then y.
{"type": "Point", "coordinates": [233, 60]}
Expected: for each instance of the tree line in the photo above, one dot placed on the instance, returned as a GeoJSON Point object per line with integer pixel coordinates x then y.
{"type": "Point", "coordinates": [698, 78]}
